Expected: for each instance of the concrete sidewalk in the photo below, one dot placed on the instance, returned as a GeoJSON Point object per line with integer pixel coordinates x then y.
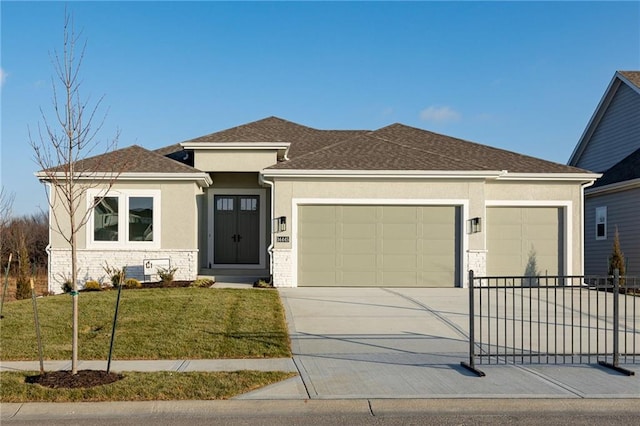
{"type": "Point", "coordinates": [370, 350]}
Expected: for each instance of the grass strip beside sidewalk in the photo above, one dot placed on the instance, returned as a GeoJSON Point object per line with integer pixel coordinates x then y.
{"type": "Point", "coordinates": [156, 386]}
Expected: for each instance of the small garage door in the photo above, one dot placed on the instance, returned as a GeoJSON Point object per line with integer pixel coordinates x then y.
{"type": "Point", "coordinates": [389, 246]}
{"type": "Point", "coordinates": [521, 240]}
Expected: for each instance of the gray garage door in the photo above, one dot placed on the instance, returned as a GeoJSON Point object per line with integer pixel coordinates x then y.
{"type": "Point", "coordinates": [368, 246]}
{"type": "Point", "coordinates": [523, 239]}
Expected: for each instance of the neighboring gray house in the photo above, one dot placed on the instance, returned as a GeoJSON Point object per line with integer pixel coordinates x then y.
{"type": "Point", "coordinates": [397, 206]}
{"type": "Point", "coordinates": [611, 145]}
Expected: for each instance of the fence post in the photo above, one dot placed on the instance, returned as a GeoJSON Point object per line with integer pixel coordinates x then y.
{"type": "Point", "coordinates": [616, 328]}
{"type": "Point", "coordinates": [471, 365]}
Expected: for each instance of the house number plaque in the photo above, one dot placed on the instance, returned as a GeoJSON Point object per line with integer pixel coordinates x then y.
{"type": "Point", "coordinates": [282, 239]}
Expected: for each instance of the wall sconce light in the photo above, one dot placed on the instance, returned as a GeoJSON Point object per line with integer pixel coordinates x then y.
{"type": "Point", "coordinates": [474, 225]}
{"type": "Point", "coordinates": [281, 224]}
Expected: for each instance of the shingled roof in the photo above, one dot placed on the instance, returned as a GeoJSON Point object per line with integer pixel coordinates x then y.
{"type": "Point", "coordinates": [395, 147]}
{"type": "Point", "coordinates": [303, 139]}
{"type": "Point", "coordinates": [627, 169]}
{"type": "Point", "coordinates": [631, 76]}
{"type": "Point", "coordinates": [132, 159]}
{"type": "Point", "coordinates": [401, 147]}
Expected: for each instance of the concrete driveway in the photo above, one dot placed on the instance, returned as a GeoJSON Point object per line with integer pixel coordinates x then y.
{"type": "Point", "coordinates": [408, 343]}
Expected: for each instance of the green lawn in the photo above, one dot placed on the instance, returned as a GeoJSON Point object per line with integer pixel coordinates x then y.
{"type": "Point", "coordinates": [143, 387]}
{"type": "Point", "coordinates": [164, 323]}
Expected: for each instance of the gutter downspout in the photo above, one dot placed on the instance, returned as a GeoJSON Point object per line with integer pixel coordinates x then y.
{"type": "Point", "coordinates": [582, 205]}
{"type": "Point", "coordinates": [264, 181]}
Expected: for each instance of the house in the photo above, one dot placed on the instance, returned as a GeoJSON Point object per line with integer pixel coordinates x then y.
{"type": "Point", "coordinates": [610, 145]}
{"type": "Point", "coordinates": [397, 206]}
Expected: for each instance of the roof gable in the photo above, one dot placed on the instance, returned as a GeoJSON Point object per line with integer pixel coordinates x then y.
{"type": "Point", "coordinates": [623, 84]}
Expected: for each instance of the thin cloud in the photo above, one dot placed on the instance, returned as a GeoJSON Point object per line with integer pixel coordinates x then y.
{"type": "Point", "coordinates": [3, 76]}
{"type": "Point", "coordinates": [440, 114]}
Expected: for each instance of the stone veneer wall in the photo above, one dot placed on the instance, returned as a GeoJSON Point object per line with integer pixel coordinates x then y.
{"type": "Point", "coordinates": [282, 268]}
{"type": "Point", "coordinates": [91, 263]}
{"type": "Point", "coordinates": [477, 262]}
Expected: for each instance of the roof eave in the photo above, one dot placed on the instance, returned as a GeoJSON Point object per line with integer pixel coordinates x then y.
{"type": "Point", "coordinates": [581, 177]}
{"type": "Point", "coordinates": [432, 174]}
{"type": "Point", "coordinates": [236, 145]}
{"type": "Point", "coordinates": [203, 179]}
{"type": "Point", "coordinates": [614, 187]}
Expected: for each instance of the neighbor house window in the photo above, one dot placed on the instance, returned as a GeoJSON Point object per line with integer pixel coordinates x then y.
{"type": "Point", "coordinates": [601, 223]}
{"type": "Point", "coordinates": [128, 218]}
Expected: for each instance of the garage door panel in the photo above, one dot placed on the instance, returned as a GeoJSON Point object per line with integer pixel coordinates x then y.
{"type": "Point", "coordinates": [399, 230]}
{"type": "Point", "coordinates": [398, 214]}
{"type": "Point", "coordinates": [357, 230]}
{"type": "Point", "coordinates": [358, 262]}
{"type": "Point", "coordinates": [438, 247]}
{"type": "Point", "coordinates": [319, 230]}
{"type": "Point", "coordinates": [396, 246]}
{"type": "Point", "coordinates": [359, 246]}
{"type": "Point", "coordinates": [319, 245]}
{"type": "Point", "coordinates": [316, 262]}
{"type": "Point", "coordinates": [406, 246]}
{"type": "Point", "coordinates": [517, 236]}
{"type": "Point", "coordinates": [321, 214]}
{"type": "Point", "coordinates": [399, 263]}
{"type": "Point", "coordinates": [358, 214]}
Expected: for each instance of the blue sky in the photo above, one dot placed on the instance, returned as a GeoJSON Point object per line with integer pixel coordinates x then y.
{"type": "Point", "coordinates": [522, 76]}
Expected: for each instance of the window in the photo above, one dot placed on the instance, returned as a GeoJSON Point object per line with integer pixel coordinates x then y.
{"type": "Point", "coordinates": [128, 218]}
{"type": "Point", "coordinates": [105, 219]}
{"type": "Point", "coordinates": [140, 218]}
{"type": "Point", "coordinates": [601, 223]}
{"type": "Point", "coordinates": [249, 204]}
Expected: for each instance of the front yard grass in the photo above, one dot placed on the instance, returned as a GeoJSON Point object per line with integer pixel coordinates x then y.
{"type": "Point", "coordinates": [158, 386]}
{"type": "Point", "coordinates": [162, 323]}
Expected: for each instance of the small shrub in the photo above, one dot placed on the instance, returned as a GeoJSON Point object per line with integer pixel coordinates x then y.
{"type": "Point", "coordinates": [616, 260]}
{"type": "Point", "coordinates": [92, 286]}
{"type": "Point", "coordinates": [116, 276]}
{"type": "Point", "coordinates": [202, 283]}
{"type": "Point", "coordinates": [261, 283]}
{"type": "Point", "coordinates": [132, 283]}
{"type": "Point", "coordinates": [167, 274]}
{"type": "Point", "coordinates": [67, 286]}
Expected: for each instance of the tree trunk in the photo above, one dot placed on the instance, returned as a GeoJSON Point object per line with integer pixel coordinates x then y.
{"type": "Point", "coordinates": [74, 297]}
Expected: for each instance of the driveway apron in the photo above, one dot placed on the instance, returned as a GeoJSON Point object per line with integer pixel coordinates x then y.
{"type": "Point", "coordinates": [408, 343]}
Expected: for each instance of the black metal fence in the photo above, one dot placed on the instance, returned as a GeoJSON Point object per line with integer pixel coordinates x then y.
{"type": "Point", "coordinates": [554, 319]}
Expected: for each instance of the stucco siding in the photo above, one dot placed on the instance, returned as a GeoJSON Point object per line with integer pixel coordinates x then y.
{"type": "Point", "coordinates": [472, 194]}
{"type": "Point", "coordinates": [234, 160]}
{"type": "Point", "coordinates": [616, 135]}
{"type": "Point", "coordinates": [178, 214]}
{"type": "Point", "coordinates": [623, 211]}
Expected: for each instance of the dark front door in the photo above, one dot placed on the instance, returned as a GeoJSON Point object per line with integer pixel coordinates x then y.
{"type": "Point", "coordinates": [236, 229]}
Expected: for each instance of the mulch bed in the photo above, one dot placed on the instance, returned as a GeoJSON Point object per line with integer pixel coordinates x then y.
{"type": "Point", "coordinates": [83, 379]}
{"type": "Point", "coordinates": [160, 284]}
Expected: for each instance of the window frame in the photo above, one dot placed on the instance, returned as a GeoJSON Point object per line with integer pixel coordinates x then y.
{"type": "Point", "coordinates": [601, 212]}
{"type": "Point", "coordinates": [123, 196]}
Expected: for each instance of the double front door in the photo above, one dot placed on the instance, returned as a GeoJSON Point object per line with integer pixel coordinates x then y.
{"type": "Point", "coordinates": [236, 229]}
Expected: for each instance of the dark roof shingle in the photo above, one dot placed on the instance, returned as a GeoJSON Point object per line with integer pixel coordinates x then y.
{"type": "Point", "coordinates": [400, 147]}
{"type": "Point", "coordinates": [132, 159]}
{"type": "Point", "coordinates": [627, 169]}
{"type": "Point", "coordinates": [632, 76]}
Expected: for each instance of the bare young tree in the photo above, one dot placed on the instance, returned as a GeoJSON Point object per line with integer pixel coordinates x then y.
{"type": "Point", "coordinates": [63, 149]}
{"type": "Point", "coordinates": [6, 206]}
